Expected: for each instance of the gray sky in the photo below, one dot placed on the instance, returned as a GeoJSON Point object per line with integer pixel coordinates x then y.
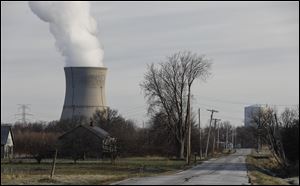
{"type": "Point", "coordinates": [254, 47]}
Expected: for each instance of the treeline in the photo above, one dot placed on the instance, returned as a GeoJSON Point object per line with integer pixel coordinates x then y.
{"type": "Point", "coordinates": [38, 139]}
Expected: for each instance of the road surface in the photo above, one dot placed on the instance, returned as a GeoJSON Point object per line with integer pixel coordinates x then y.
{"type": "Point", "coordinates": [228, 170]}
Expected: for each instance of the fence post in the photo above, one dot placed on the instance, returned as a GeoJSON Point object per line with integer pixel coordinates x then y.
{"type": "Point", "coordinates": [53, 164]}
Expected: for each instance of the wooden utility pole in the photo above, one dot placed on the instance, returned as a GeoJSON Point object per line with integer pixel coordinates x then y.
{"type": "Point", "coordinates": [235, 138]}
{"type": "Point", "coordinates": [200, 147]}
{"type": "Point", "coordinates": [259, 129]}
{"type": "Point", "coordinates": [214, 142]}
{"type": "Point", "coordinates": [211, 118]}
{"type": "Point", "coordinates": [218, 141]}
{"type": "Point", "coordinates": [227, 128]}
{"type": "Point", "coordinates": [279, 140]}
{"type": "Point", "coordinates": [53, 164]}
{"type": "Point", "coordinates": [232, 137]}
{"type": "Point", "coordinates": [188, 150]}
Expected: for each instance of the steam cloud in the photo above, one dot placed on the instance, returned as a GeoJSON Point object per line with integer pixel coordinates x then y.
{"type": "Point", "coordinates": [74, 29]}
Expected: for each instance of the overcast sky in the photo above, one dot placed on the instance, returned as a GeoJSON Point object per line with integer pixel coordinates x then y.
{"type": "Point", "coordinates": [254, 47]}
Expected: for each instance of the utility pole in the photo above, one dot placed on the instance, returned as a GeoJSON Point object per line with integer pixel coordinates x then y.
{"type": "Point", "coordinates": [53, 164]}
{"type": "Point", "coordinates": [232, 137]}
{"type": "Point", "coordinates": [259, 133]}
{"type": "Point", "coordinates": [211, 117]}
{"type": "Point", "coordinates": [227, 128]}
{"type": "Point", "coordinates": [218, 141]}
{"type": "Point", "coordinates": [279, 140]}
{"type": "Point", "coordinates": [235, 138]}
{"type": "Point", "coordinates": [214, 142]}
{"type": "Point", "coordinates": [200, 147]}
{"type": "Point", "coordinates": [188, 150]}
{"type": "Point", "coordinates": [23, 113]}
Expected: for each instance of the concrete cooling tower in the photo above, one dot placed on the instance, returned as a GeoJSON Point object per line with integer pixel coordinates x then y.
{"type": "Point", "coordinates": [85, 92]}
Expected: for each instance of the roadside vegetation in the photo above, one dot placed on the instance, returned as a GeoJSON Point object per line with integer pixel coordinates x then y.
{"type": "Point", "coordinates": [276, 157]}
{"type": "Point", "coordinates": [264, 169]}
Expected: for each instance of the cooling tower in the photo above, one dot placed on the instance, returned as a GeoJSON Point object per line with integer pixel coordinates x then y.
{"type": "Point", "coordinates": [85, 92]}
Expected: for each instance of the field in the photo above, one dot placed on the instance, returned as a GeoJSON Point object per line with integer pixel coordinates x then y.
{"type": "Point", "coordinates": [85, 172]}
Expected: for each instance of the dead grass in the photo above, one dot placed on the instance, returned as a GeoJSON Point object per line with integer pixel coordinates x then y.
{"type": "Point", "coordinates": [260, 169]}
{"type": "Point", "coordinates": [86, 172]}
{"type": "Point", "coordinates": [259, 178]}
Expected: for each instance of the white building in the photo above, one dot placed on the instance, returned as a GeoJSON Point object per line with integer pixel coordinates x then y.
{"type": "Point", "coordinates": [249, 112]}
{"type": "Point", "coordinates": [7, 142]}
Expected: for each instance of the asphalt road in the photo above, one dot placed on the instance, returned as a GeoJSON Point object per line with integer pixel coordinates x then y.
{"type": "Point", "coordinates": [229, 170]}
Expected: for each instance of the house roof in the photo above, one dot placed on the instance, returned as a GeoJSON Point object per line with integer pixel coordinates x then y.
{"type": "Point", "coordinates": [99, 132]}
{"type": "Point", "coordinates": [5, 129]}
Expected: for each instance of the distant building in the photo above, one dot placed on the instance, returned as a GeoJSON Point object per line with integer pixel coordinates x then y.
{"type": "Point", "coordinates": [7, 142]}
{"type": "Point", "coordinates": [83, 141]}
{"type": "Point", "coordinates": [249, 112]}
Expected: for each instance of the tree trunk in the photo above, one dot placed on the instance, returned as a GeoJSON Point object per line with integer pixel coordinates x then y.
{"type": "Point", "coordinates": [180, 147]}
{"type": "Point", "coordinates": [188, 123]}
{"type": "Point", "coordinates": [182, 143]}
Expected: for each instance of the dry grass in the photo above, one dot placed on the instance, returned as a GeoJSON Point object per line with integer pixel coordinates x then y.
{"type": "Point", "coordinates": [86, 172]}
{"type": "Point", "coordinates": [260, 167]}
{"type": "Point", "coordinates": [28, 172]}
{"type": "Point", "coordinates": [59, 179]}
{"type": "Point", "coordinates": [259, 178]}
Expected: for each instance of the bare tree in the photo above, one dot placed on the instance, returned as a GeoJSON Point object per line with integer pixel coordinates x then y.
{"type": "Point", "coordinates": [268, 131]}
{"type": "Point", "coordinates": [168, 90]}
{"type": "Point", "coordinates": [289, 132]}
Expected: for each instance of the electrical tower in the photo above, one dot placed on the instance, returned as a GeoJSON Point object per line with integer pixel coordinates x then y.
{"type": "Point", "coordinates": [23, 114]}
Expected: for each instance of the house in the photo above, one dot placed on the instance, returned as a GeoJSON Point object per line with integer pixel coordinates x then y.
{"type": "Point", "coordinates": [82, 141]}
{"type": "Point", "coordinates": [7, 142]}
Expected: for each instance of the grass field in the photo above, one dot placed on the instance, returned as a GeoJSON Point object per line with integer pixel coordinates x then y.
{"type": "Point", "coordinates": [86, 172]}
{"type": "Point", "coordinates": [89, 172]}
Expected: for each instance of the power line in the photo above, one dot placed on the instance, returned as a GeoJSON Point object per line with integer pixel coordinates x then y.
{"type": "Point", "coordinates": [225, 101]}
{"type": "Point", "coordinates": [135, 111]}
{"type": "Point", "coordinates": [242, 103]}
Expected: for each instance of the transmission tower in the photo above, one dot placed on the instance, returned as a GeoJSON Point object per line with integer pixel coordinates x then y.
{"type": "Point", "coordinates": [23, 114]}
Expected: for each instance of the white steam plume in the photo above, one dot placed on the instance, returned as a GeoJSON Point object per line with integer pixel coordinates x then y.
{"type": "Point", "coordinates": [74, 29]}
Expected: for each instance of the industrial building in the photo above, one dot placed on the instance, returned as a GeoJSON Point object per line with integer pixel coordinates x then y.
{"type": "Point", "coordinates": [85, 92]}
{"type": "Point", "coordinates": [249, 112]}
